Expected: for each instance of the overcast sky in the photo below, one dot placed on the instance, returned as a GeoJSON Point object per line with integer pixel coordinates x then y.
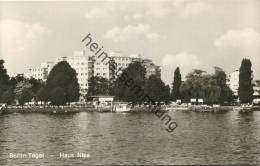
{"type": "Point", "coordinates": [185, 33]}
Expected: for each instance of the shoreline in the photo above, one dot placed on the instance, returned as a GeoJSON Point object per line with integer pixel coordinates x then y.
{"type": "Point", "coordinates": [50, 110]}
{"type": "Point", "coordinates": [77, 109]}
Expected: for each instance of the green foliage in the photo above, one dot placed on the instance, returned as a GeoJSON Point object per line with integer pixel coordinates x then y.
{"type": "Point", "coordinates": [98, 86]}
{"type": "Point", "coordinates": [42, 95]}
{"type": "Point", "coordinates": [176, 84]}
{"type": "Point", "coordinates": [245, 90]}
{"type": "Point", "coordinates": [134, 74]}
{"type": "Point", "coordinates": [156, 89]}
{"type": "Point", "coordinates": [17, 87]}
{"type": "Point", "coordinates": [36, 84]}
{"type": "Point", "coordinates": [57, 96]}
{"type": "Point", "coordinates": [8, 97]}
{"type": "Point", "coordinates": [20, 86]}
{"type": "Point", "coordinates": [198, 84]}
{"type": "Point", "coordinates": [62, 78]}
{"type": "Point", "coordinates": [26, 96]}
{"type": "Point", "coordinates": [4, 80]}
{"type": "Point", "coordinates": [226, 93]}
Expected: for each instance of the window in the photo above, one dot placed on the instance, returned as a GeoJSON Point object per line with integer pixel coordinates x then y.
{"type": "Point", "coordinates": [98, 74]}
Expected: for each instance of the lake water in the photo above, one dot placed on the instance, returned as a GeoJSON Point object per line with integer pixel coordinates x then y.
{"type": "Point", "coordinates": [132, 138]}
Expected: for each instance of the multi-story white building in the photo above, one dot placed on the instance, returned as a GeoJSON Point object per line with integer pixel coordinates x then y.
{"type": "Point", "coordinates": [100, 68]}
{"type": "Point", "coordinates": [151, 68]}
{"type": "Point", "coordinates": [88, 66]}
{"type": "Point", "coordinates": [122, 62]}
{"type": "Point", "coordinates": [79, 63]}
{"type": "Point", "coordinates": [233, 81]}
{"type": "Point", "coordinates": [40, 73]}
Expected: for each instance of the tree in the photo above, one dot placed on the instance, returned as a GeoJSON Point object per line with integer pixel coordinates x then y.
{"type": "Point", "coordinates": [63, 80]}
{"type": "Point", "coordinates": [4, 80]}
{"type": "Point", "coordinates": [135, 73]}
{"type": "Point", "coordinates": [245, 89]}
{"type": "Point", "coordinates": [98, 86]}
{"type": "Point", "coordinates": [8, 97]}
{"type": "Point", "coordinates": [58, 96]}
{"type": "Point", "coordinates": [26, 96]}
{"type": "Point", "coordinates": [42, 95]}
{"type": "Point", "coordinates": [156, 89]}
{"type": "Point", "coordinates": [20, 88]}
{"type": "Point", "coordinates": [199, 84]}
{"type": "Point", "coordinates": [36, 84]}
{"type": "Point", "coordinates": [176, 84]}
{"type": "Point", "coordinates": [226, 93]}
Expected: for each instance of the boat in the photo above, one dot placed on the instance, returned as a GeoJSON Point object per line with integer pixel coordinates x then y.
{"type": "Point", "coordinates": [243, 108]}
{"type": "Point", "coordinates": [206, 108]}
{"type": "Point", "coordinates": [3, 108]}
{"type": "Point", "coordinates": [201, 108]}
{"type": "Point", "coordinates": [104, 109]}
{"type": "Point", "coordinates": [121, 107]}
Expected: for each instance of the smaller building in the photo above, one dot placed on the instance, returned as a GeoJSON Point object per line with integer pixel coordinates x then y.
{"type": "Point", "coordinates": [233, 81]}
{"type": "Point", "coordinates": [101, 101]}
{"type": "Point", "coordinates": [256, 88]}
{"type": "Point", "coordinates": [40, 73]}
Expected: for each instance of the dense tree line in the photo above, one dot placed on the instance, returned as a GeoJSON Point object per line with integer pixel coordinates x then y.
{"type": "Point", "coordinates": [17, 89]}
{"type": "Point", "coordinates": [211, 88]}
{"type": "Point", "coordinates": [198, 84]}
{"type": "Point", "coordinates": [61, 87]}
{"type": "Point", "coordinates": [153, 86]}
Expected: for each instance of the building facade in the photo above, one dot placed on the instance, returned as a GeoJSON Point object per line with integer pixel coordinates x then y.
{"type": "Point", "coordinates": [79, 63]}
{"type": "Point", "coordinates": [88, 66]}
{"type": "Point", "coordinates": [40, 73]}
{"type": "Point", "coordinates": [233, 81]}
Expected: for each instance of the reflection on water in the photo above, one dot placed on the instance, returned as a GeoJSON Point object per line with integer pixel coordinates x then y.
{"type": "Point", "coordinates": [136, 138]}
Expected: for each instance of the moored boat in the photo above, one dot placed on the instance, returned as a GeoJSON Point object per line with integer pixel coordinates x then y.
{"type": "Point", "coordinates": [121, 107]}
{"type": "Point", "coordinates": [201, 108]}
{"type": "Point", "coordinates": [243, 108]}
{"type": "Point", "coordinates": [206, 108]}
{"type": "Point", "coordinates": [3, 108]}
{"type": "Point", "coordinates": [104, 109]}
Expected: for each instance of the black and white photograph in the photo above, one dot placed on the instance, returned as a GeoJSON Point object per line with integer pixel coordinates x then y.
{"type": "Point", "coordinates": [129, 82]}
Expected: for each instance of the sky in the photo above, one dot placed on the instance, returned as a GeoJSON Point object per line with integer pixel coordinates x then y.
{"type": "Point", "coordinates": [190, 34]}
